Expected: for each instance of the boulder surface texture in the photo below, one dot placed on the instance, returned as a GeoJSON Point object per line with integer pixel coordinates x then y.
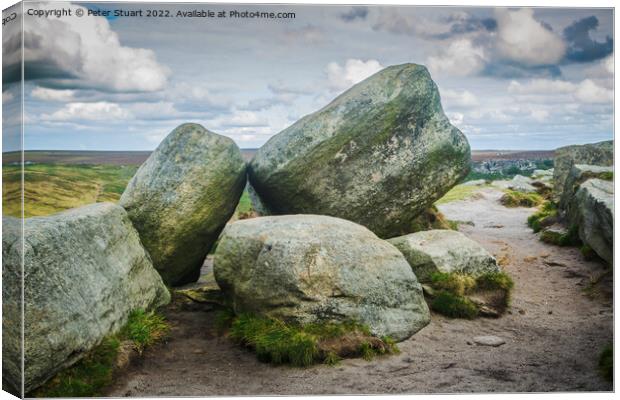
{"type": "Point", "coordinates": [85, 271]}
{"type": "Point", "coordinates": [181, 198]}
{"type": "Point", "coordinates": [578, 174]}
{"type": "Point", "coordinates": [444, 251]}
{"type": "Point", "coordinates": [592, 211]}
{"type": "Point", "coordinates": [311, 269]}
{"type": "Point", "coordinates": [601, 154]}
{"type": "Point", "coordinates": [379, 155]}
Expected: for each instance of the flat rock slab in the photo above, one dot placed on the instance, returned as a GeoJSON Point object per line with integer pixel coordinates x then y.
{"type": "Point", "coordinates": [493, 341]}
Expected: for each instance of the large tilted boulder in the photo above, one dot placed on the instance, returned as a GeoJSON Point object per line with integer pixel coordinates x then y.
{"type": "Point", "coordinates": [444, 251]}
{"type": "Point", "coordinates": [601, 154]}
{"type": "Point", "coordinates": [578, 174]}
{"type": "Point", "coordinates": [85, 271]}
{"type": "Point", "coordinates": [379, 155]}
{"type": "Point", "coordinates": [592, 211]}
{"type": "Point", "coordinates": [181, 198]}
{"type": "Point", "coordinates": [311, 268]}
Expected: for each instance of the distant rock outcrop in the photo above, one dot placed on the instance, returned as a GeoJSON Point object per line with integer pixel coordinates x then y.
{"type": "Point", "coordinates": [311, 268]}
{"type": "Point", "coordinates": [85, 271]}
{"type": "Point", "coordinates": [592, 211]}
{"type": "Point", "coordinates": [182, 196]}
{"type": "Point", "coordinates": [444, 251]}
{"type": "Point", "coordinates": [379, 155]}
{"type": "Point", "coordinates": [601, 154]}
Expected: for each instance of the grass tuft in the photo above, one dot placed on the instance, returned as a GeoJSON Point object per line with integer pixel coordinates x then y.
{"type": "Point", "coordinates": [495, 281]}
{"type": "Point", "coordinates": [454, 306]}
{"type": "Point", "coordinates": [463, 296]}
{"type": "Point", "coordinates": [459, 284]}
{"type": "Point", "coordinates": [607, 176]}
{"type": "Point", "coordinates": [570, 238]}
{"type": "Point", "coordinates": [144, 329]}
{"type": "Point", "coordinates": [277, 342]}
{"type": "Point", "coordinates": [432, 219]}
{"type": "Point", "coordinates": [545, 216]}
{"type": "Point", "coordinates": [91, 374]}
{"type": "Point", "coordinates": [606, 362]}
{"type": "Point", "coordinates": [517, 199]}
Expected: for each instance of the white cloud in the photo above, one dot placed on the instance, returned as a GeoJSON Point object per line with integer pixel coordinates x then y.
{"type": "Point", "coordinates": [541, 86]}
{"type": "Point", "coordinates": [460, 58]}
{"type": "Point", "coordinates": [353, 71]}
{"type": "Point", "coordinates": [88, 53]}
{"type": "Point", "coordinates": [463, 99]}
{"type": "Point", "coordinates": [589, 92]}
{"type": "Point", "coordinates": [52, 94]}
{"type": "Point", "coordinates": [539, 115]}
{"type": "Point", "coordinates": [586, 91]}
{"type": "Point", "coordinates": [521, 38]}
{"type": "Point", "coordinates": [99, 111]}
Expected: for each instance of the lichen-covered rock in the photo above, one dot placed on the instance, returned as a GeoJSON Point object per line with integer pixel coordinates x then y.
{"type": "Point", "coordinates": [578, 174]}
{"type": "Point", "coordinates": [181, 198]}
{"type": "Point", "coordinates": [378, 155]}
{"type": "Point", "coordinates": [310, 268]}
{"type": "Point", "coordinates": [444, 251]}
{"type": "Point", "coordinates": [601, 154]}
{"type": "Point", "coordinates": [592, 211]}
{"type": "Point", "coordinates": [85, 271]}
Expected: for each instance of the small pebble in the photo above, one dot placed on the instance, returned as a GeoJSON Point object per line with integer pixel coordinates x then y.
{"type": "Point", "coordinates": [493, 341]}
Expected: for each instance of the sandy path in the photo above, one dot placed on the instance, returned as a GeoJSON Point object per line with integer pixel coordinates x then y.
{"type": "Point", "coordinates": [553, 334]}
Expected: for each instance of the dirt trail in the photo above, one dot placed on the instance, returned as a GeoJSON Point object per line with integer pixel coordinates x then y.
{"type": "Point", "coordinates": [554, 333]}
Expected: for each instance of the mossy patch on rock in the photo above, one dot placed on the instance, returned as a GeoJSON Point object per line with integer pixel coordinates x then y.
{"type": "Point", "coordinates": [277, 342]}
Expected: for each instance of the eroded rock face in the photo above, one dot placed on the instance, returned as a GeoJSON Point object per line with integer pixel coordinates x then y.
{"type": "Point", "coordinates": [578, 174]}
{"type": "Point", "coordinates": [444, 251]}
{"type": "Point", "coordinates": [592, 211]}
{"type": "Point", "coordinates": [601, 154]}
{"type": "Point", "coordinates": [311, 268]}
{"type": "Point", "coordinates": [85, 271]}
{"type": "Point", "coordinates": [181, 198]}
{"type": "Point", "coordinates": [378, 155]}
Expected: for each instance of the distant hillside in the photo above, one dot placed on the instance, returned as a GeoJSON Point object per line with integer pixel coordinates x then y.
{"type": "Point", "coordinates": [138, 157]}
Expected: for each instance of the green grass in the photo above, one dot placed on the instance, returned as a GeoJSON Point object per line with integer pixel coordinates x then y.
{"type": "Point", "coordinates": [570, 238]}
{"type": "Point", "coordinates": [459, 284]}
{"type": "Point", "coordinates": [91, 374]}
{"type": "Point", "coordinates": [459, 192]}
{"type": "Point", "coordinates": [51, 188]}
{"type": "Point", "coordinates": [453, 291]}
{"type": "Point", "coordinates": [606, 362]}
{"type": "Point", "coordinates": [144, 329]}
{"type": "Point", "coordinates": [513, 198]}
{"type": "Point", "coordinates": [495, 281]}
{"type": "Point", "coordinates": [454, 306]}
{"type": "Point", "coordinates": [432, 219]}
{"type": "Point", "coordinates": [277, 342]}
{"type": "Point", "coordinates": [607, 176]}
{"type": "Point", "coordinates": [545, 216]}
{"type": "Point", "coordinates": [588, 252]}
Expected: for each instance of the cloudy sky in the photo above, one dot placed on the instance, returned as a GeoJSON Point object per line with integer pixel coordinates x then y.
{"type": "Point", "coordinates": [509, 78]}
